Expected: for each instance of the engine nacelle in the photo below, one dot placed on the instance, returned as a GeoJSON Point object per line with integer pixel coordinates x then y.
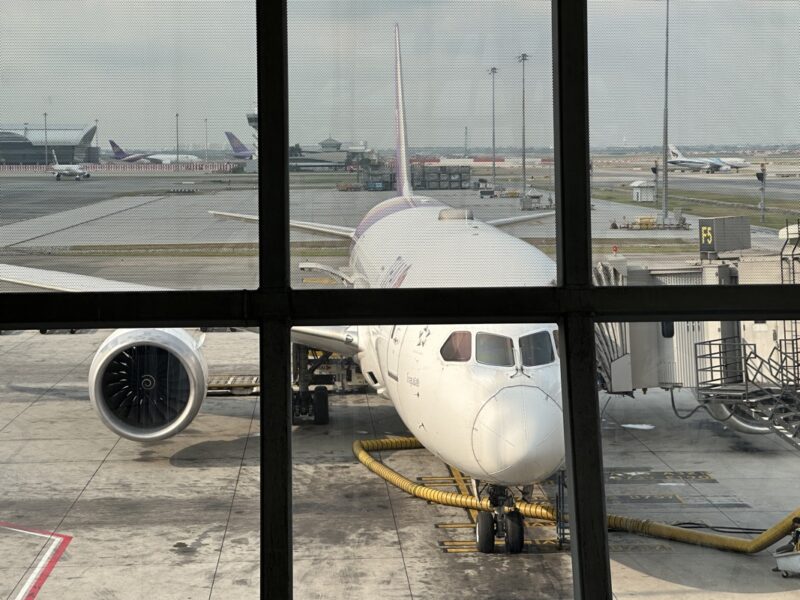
{"type": "Point", "coordinates": [148, 384]}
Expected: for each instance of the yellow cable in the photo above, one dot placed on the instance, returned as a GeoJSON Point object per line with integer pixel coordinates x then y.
{"type": "Point", "coordinates": [362, 449]}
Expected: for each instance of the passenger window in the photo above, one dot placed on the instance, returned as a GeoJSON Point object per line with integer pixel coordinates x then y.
{"type": "Point", "coordinates": [495, 350]}
{"type": "Point", "coordinates": [458, 347]}
{"type": "Point", "coordinates": [536, 349]}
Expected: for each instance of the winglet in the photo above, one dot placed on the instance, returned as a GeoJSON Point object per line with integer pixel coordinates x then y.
{"type": "Point", "coordinates": [401, 153]}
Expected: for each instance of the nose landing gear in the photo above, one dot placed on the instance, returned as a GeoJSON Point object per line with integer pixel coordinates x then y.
{"type": "Point", "coordinates": [504, 522]}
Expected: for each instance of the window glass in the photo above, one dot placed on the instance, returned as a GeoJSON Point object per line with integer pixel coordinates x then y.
{"type": "Point", "coordinates": [536, 349]}
{"type": "Point", "coordinates": [122, 128]}
{"type": "Point", "coordinates": [128, 513]}
{"type": "Point", "coordinates": [478, 157]}
{"type": "Point", "coordinates": [555, 339]}
{"type": "Point", "coordinates": [699, 432]}
{"type": "Point", "coordinates": [458, 347]}
{"type": "Point", "coordinates": [495, 350]}
{"type": "Point", "coordinates": [436, 428]}
{"type": "Point", "coordinates": [706, 94]}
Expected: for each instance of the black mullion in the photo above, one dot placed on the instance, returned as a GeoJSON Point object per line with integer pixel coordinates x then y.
{"type": "Point", "coordinates": [589, 539]}
{"type": "Point", "coordinates": [273, 112]}
{"type": "Point", "coordinates": [227, 308]}
{"type": "Point", "coordinates": [271, 301]}
{"type": "Point", "coordinates": [276, 460]}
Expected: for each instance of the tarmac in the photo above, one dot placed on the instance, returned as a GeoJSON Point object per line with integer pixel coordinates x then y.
{"type": "Point", "coordinates": [107, 518]}
{"type": "Point", "coordinates": [180, 518]}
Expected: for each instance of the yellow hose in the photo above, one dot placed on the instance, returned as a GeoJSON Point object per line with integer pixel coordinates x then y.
{"type": "Point", "coordinates": [362, 449]}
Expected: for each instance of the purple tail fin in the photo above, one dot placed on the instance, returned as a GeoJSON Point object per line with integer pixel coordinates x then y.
{"type": "Point", "coordinates": [118, 152]}
{"type": "Point", "coordinates": [235, 143]}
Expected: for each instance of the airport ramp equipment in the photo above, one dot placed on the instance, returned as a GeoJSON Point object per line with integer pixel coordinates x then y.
{"type": "Point", "coordinates": [788, 563]}
{"type": "Point", "coordinates": [733, 380]}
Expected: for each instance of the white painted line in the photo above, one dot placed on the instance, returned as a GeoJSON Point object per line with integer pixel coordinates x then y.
{"type": "Point", "coordinates": [23, 593]}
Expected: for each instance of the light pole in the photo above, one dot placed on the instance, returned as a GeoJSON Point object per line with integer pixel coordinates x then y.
{"type": "Point", "coordinates": [664, 205]}
{"type": "Point", "coordinates": [46, 154]}
{"type": "Point", "coordinates": [493, 72]}
{"type": "Point", "coordinates": [762, 177]}
{"type": "Point", "coordinates": [206, 124]}
{"type": "Point", "coordinates": [177, 146]}
{"type": "Point", "coordinates": [523, 58]}
{"type": "Point", "coordinates": [654, 169]}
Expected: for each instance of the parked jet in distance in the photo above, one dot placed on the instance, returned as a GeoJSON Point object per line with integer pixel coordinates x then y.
{"type": "Point", "coordinates": [483, 398]}
{"type": "Point", "coordinates": [734, 162]}
{"type": "Point", "coordinates": [75, 171]}
{"type": "Point", "coordinates": [238, 148]}
{"type": "Point", "coordinates": [158, 158]}
{"type": "Point", "coordinates": [678, 161]}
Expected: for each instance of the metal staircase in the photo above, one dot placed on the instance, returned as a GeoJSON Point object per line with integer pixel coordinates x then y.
{"type": "Point", "coordinates": [766, 390]}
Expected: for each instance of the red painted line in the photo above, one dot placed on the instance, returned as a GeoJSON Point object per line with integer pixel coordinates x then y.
{"type": "Point", "coordinates": [51, 564]}
{"type": "Point", "coordinates": [63, 542]}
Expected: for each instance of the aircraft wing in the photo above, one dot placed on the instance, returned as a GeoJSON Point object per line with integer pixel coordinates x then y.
{"type": "Point", "coordinates": [235, 216]}
{"type": "Point", "coordinates": [335, 230]}
{"type": "Point", "coordinates": [68, 282]}
{"type": "Point", "coordinates": [342, 339]}
{"type": "Point", "coordinates": [520, 219]}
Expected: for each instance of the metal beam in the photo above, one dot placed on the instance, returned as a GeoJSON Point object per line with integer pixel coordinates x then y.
{"type": "Point", "coordinates": [246, 308]}
{"type": "Point", "coordinates": [276, 460]}
{"type": "Point", "coordinates": [591, 574]}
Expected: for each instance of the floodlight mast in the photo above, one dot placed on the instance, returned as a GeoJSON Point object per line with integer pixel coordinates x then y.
{"type": "Point", "coordinates": [523, 58]}
{"type": "Point", "coordinates": [493, 72]}
{"type": "Point", "coordinates": [664, 205]}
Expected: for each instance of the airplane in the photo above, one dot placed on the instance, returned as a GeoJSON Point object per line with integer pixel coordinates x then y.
{"type": "Point", "coordinates": [710, 165]}
{"type": "Point", "coordinates": [483, 398]}
{"type": "Point", "coordinates": [734, 163]}
{"type": "Point", "coordinates": [153, 157]}
{"type": "Point", "coordinates": [75, 171]}
{"type": "Point", "coordinates": [239, 149]}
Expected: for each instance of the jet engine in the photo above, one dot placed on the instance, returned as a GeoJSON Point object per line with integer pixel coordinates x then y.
{"type": "Point", "coordinates": [148, 384]}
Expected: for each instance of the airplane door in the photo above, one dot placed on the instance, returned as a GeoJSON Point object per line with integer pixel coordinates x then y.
{"type": "Point", "coordinates": [395, 344]}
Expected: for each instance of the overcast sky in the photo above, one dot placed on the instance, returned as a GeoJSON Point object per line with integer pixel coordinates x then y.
{"type": "Point", "coordinates": [734, 69]}
{"type": "Point", "coordinates": [734, 75]}
{"type": "Point", "coordinates": [132, 65]}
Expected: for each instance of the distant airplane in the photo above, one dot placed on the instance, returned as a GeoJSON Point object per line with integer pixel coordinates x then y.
{"type": "Point", "coordinates": [708, 164]}
{"type": "Point", "coordinates": [164, 159]}
{"type": "Point", "coordinates": [734, 163]}
{"type": "Point", "coordinates": [75, 171]}
{"type": "Point", "coordinates": [239, 149]}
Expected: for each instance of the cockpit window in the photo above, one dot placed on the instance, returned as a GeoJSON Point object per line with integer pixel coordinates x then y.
{"type": "Point", "coordinates": [495, 350]}
{"type": "Point", "coordinates": [536, 349]}
{"type": "Point", "coordinates": [458, 347]}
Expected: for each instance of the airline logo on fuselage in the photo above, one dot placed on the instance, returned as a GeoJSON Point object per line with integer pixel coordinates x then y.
{"type": "Point", "coordinates": [396, 274]}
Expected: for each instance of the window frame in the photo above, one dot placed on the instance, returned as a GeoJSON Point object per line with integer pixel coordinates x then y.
{"type": "Point", "coordinates": [574, 304]}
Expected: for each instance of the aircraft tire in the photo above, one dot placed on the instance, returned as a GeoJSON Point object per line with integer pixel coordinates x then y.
{"type": "Point", "coordinates": [320, 403]}
{"type": "Point", "coordinates": [515, 532]}
{"type": "Point", "coordinates": [484, 532]}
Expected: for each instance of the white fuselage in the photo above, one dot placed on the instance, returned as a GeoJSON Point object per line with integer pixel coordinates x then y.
{"type": "Point", "coordinates": [485, 411]}
{"type": "Point", "coordinates": [69, 170]}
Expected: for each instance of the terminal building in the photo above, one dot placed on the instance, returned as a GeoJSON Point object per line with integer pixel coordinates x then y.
{"type": "Point", "coordinates": [33, 145]}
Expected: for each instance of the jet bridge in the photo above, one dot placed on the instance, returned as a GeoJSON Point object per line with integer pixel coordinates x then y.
{"type": "Point", "coordinates": [746, 373]}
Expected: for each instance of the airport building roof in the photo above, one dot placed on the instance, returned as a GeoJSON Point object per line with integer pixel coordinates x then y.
{"type": "Point", "coordinates": [56, 136]}
{"type": "Point", "coordinates": [330, 143]}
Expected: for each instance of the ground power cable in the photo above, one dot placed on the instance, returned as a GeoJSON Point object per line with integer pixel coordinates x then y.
{"type": "Point", "coordinates": [544, 511]}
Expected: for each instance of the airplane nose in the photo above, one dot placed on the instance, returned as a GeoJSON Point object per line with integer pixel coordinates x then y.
{"type": "Point", "coordinates": [518, 436]}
